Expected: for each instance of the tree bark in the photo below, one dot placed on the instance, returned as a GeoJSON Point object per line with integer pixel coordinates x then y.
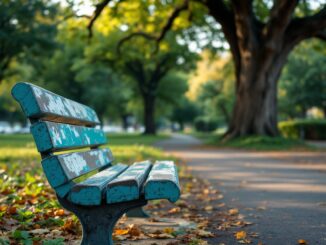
{"type": "Point", "coordinates": [255, 109]}
{"type": "Point", "coordinates": [149, 114]}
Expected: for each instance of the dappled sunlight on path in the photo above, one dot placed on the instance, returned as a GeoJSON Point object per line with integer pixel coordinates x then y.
{"type": "Point", "coordinates": [282, 193]}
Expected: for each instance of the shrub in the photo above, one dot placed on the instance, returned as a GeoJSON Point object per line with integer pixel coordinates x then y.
{"type": "Point", "coordinates": [304, 129]}
{"type": "Point", "coordinates": [205, 124]}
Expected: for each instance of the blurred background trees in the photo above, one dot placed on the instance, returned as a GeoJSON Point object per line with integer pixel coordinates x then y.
{"type": "Point", "coordinates": [157, 63]}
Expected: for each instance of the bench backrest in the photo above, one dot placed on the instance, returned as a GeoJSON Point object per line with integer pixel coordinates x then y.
{"type": "Point", "coordinates": [60, 124]}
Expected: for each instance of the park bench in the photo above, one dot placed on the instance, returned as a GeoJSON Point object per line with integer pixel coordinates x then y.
{"type": "Point", "coordinates": [86, 183]}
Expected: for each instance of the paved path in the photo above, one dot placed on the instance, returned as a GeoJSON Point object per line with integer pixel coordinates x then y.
{"type": "Point", "coordinates": [283, 193]}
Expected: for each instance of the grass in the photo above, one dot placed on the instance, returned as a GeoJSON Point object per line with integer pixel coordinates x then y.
{"type": "Point", "coordinates": [23, 140]}
{"type": "Point", "coordinates": [258, 143]}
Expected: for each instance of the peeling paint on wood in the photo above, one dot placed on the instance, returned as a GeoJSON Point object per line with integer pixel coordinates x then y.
{"type": "Point", "coordinates": [127, 186]}
{"type": "Point", "coordinates": [60, 169]}
{"type": "Point", "coordinates": [39, 103]}
{"type": "Point", "coordinates": [50, 136]}
{"type": "Point", "coordinates": [91, 191]}
{"type": "Point", "coordinates": [162, 182]}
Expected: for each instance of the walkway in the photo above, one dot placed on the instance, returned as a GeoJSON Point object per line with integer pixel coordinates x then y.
{"type": "Point", "coordinates": [282, 193]}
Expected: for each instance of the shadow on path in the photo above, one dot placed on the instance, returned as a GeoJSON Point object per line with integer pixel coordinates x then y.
{"type": "Point", "coordinates": [282, 193]}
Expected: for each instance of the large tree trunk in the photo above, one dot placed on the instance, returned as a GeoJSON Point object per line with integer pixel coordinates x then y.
{"type": "Point", "coordinates": [149, 114]}
{"type": "Point", "coordinates": [255, 108]}
{"type": "Point", "coordinates": [259, 51]}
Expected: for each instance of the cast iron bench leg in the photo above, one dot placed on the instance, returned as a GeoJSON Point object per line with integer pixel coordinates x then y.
{"type": "Point", "coordinates": [98, 221]}
{"type": "Point", "coordinates": [138, 213]}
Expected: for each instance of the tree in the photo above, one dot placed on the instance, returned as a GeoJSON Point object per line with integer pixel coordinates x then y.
{"type": "Point", "coordinates": [24, 25]}
{"type": "Point", "coordinates": [302, 84]}
{"type": "Point", "coordinates": [260, 37]}
{"type": "Point", "coordinates": [186, 112]}
{"type": "Point", "coordinates": [81, 79]}
{"type": "Point", "coordinates": [147, 65]}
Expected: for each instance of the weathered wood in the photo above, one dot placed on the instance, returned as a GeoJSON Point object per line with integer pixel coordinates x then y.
{"type": "Point", "coordinates": [127, 186]}
{"type": "Point", "coordinates": [50, 136]}
{"type": "Point", "coordinates": [60, 169]}
{"type": "Point", "coordinates": [91, 191]}
{"type": "Point", "coordinates": [38, 103]}
{"type": "Point", "coordinates": [162, 182]}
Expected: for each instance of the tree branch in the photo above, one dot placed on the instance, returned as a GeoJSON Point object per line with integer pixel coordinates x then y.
{"type": "Point", "coordinates": [168, 25]}
{"type": "Point", "coordinates": [307, 27]}
{"type": "Point", "coordinates": [223, 15]}
{"type": "Point", "coordinates": [98, 10]}
{"type": "Point", "coordinates": [280, 17]}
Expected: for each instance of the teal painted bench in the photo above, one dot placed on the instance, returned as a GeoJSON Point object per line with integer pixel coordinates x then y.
{"type": "Point", "coordinates": [86, 183]}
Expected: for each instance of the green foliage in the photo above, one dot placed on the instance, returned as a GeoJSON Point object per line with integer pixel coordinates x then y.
{"type": "Point", "coordinates": [58, 241]}
{"type": "Point", "coordinates": [25, 26]}
{"type": "Point", "coordinates": [185, 112]}
{"type": "Point", "coordinates": [304, 128]}
{"type": "Point", "coordinates": [205, 124]}
{"type": "Point", "coordinates": [302, 84]}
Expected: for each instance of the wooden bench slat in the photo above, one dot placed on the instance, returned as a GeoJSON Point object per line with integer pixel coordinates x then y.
{"type": "Point", "coordinates": [38, 103]}
{"type": "Point", "coordinates": [60, 169]}
{"type": "Point", "coordinates": [50, 136]}
{"type": "Point", "coordinates": [91, 191]}
{"type": "Point", "coordinates": [162, 182]}
{"type": "Point", "coordinates": [127, 186]}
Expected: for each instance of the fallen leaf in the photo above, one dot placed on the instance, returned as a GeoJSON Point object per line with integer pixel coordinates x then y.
{"type": "Point", "coordinates": [240, 235]}
{"type": "Point", "coordinates": [204, 234]}
{"type": "Point", "coordinates": [209, 208]}
{"type": "Point", "coordinates": [12, 210]}
{"type": "Point", "coordinates": [233, 211]}
{"type": "Point", "coordinates": [134, 230]}
{"type": "Point", "coordinates": [59, 212]}
{"type": "Point", "coordinates": [174, 210]}
{"type": "Point", "coordinates": [39, 231]}
{"type": "Point", "coordinates": [119, 232]}
{"type": "Point", "coordinates": [302, 242]}
{"type": "Point", "coordinates": [168, 230]}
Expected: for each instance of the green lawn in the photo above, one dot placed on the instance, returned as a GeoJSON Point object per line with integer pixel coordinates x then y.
{"type": "Point", "coordinates": [21, 140]}
{"type": "Point", "coordinates": [259, 143]}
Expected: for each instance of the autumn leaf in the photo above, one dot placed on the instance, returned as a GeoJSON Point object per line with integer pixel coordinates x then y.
{"type": "Point", "coordinates": [302, 242]}
{"type": "Point", "coordinates": [168, 230]}
{"type": "Point", "coordinates": [204, 234]}
{"type": "Point", "coordinates": [233, 211]}
{"type": "Point", "coordinates": [12, 210]}
{"type": "Point", "coordinates": [134, 230]}
{"type": "Point", "coordinates": [59, 212]}
{"type": "Point", "coordinates": [240, 235]}
{"type": "Point", "coordinates": [209, 208]}
{"type": "Point", "coordinates": [174, 210]}
{"type": "Point", "coordinates": [119, 232]}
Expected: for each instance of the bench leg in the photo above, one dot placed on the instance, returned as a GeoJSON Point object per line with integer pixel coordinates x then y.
{"type": "Point", "coordinates": [98, 221]}
{"type": "Point", "coordinates": [137, 213]}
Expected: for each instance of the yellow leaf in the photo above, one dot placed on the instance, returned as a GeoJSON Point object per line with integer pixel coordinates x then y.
{"type": "Point", "coordinates": [168, 230]}
{"type": "Point", "coordinates": [119, 232]}
{"type": "Point", "coordinates": [59, 212]}
{"type": "Point", "coordinates": [3, 208]}
{"type": "Point", "coordinates": [233, 211]}
{"type": "Point", "coordinates": [208, 208]}
{"type": "Point", "coordinates": [240, 235]}
{"type": "Point", "coordinates": [302, 242]}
